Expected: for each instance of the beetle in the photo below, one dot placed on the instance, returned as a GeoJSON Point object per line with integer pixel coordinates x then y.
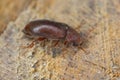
{"type": "Point", "coordinates": [52, 30]}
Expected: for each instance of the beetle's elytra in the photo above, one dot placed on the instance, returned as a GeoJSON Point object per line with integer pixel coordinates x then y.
{"type": "Point", "coordinates": [46, 29]}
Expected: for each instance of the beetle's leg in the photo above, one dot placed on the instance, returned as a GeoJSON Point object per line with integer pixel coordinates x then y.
{"type": "Point", "coordinates": [32, 43]}
{"type": "Point", "coordinates": [40, 39]}
{"type": "Point", "coordinates": [56, 43]}
{"type": "Point", "coordinates": [65, 42]}
{"type": "Point", "coordinates": [83, 50]}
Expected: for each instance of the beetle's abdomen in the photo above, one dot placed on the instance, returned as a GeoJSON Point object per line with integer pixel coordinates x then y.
{"type": "Point", "coordinates": [49, 31]}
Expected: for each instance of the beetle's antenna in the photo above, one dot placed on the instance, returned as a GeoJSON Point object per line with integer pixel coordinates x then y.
{"type": "Point", "coordinates": [83, 50]}
{"type": "Point", "coordinates": [92, 27]}
{"type": "Point", "coordinates": [86, 34]}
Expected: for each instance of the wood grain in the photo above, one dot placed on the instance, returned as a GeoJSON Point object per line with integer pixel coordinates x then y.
{"type": "Point", "coordinates": [101, 61]}
{"type": "Point", "coordinates": [9, 11]}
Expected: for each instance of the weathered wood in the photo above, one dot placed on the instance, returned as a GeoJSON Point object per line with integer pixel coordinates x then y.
{"type": "Point", "coordinates": [9, 11]}
{"type": "Point", "coordinates": [102, 61]}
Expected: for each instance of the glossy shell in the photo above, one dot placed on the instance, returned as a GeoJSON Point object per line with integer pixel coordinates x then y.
{"type": "Point", "coordinates": [52, 30]}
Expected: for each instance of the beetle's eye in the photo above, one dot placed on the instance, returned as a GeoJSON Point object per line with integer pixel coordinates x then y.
{"type": "Point", "coordinates": [75, 44]}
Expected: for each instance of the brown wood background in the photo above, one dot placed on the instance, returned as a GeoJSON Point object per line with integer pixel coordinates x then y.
{"type": "Point", "coordinates": [102, 61]}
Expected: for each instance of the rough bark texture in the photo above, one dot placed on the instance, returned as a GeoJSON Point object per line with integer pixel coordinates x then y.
{"type": "Point", "coordinates": [102, 61]}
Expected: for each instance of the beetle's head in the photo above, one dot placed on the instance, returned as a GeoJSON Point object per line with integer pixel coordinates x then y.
{"type": "Point", "coordinates": [73, 37]}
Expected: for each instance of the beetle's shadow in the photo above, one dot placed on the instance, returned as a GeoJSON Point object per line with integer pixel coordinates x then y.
{"type": "Point", "coordinates": [62, 49]}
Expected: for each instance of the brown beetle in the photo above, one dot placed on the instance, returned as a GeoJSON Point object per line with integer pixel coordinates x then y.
{"type": "Point", "coordinates": [46, 29]}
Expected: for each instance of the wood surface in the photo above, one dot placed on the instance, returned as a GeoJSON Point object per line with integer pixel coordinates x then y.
{"type": "Point", "coordinates": [99, 61]}
{"type": "Point", "coordinates": [9, 11]}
